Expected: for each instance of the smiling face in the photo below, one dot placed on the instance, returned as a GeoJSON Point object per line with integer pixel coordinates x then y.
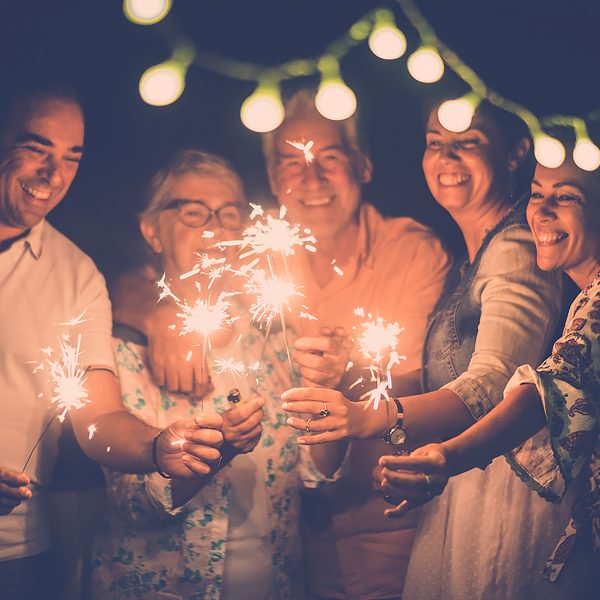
{"type": "Point", "coordinates": [314, 177]}
{"type": "Point", "coordinates": [180, 244]}
{"type": "Point", "coordinates": [564, 216]}
{"type": "Point", "coordinates": [40, 156]}
{"type": "Point", "coordinates": [467, 171]}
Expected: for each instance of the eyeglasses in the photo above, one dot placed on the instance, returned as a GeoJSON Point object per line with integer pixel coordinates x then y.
{"type": "Point", "coordinates": [194, 213]}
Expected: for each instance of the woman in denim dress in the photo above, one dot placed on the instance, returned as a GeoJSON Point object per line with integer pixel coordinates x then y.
{"type": "Point", "coordinates": [498, 311]}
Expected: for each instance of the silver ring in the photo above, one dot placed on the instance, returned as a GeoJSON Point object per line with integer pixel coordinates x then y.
{"type": "Point", "coordinates": [324, 412]}
{"type": "Point", "coordinates": [428, 486]}
{"type": "Point", "coordinates": [307, 427]}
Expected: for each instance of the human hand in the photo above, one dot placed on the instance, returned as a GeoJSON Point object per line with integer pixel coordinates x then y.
{"type": "Point", "coordinates": [411, 480]}
{"type": "Point", "coordinates": [13, 490]}
{"type": "Point", "coordinates": [323, 359]}
{"type": "Point", "coordinates": [242, 426]}
{"type": "Point", "coordinates": [188, 449]}
{"type": "Point", "coordinates": [331, 416]}
{"type": "Point", "coordinates": [176, 361]}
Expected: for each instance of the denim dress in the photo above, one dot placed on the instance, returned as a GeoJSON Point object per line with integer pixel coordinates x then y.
{"type": "Point", "coordinates": [488, 535]}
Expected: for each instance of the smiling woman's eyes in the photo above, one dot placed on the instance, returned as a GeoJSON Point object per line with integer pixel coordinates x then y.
{"type": "Point", "coordinates": [568, 198]}
{"type": "Point", "coordinates": [469, 142]}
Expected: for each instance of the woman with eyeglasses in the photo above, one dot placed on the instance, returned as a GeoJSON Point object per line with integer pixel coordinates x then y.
{"type": "Point", "coordinates": [234, 534]}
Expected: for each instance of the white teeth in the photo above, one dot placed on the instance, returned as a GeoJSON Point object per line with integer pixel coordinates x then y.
{"type": "Point", "coordinates": [316, 201]}
{"type": "Point", "coordinates": [453, 178]}
{"type": "Point", "coordinates": [546, 238]}
{"type": "Point", "coordinates": [37, 194]}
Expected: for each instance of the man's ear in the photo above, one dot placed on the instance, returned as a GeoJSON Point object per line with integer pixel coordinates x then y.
{"type": "Point", "coordinates": [367, 170]}
{"type": "Point", "coordinates": [517, 156]}
{"type": "Point", "coordinates": [150, 233]}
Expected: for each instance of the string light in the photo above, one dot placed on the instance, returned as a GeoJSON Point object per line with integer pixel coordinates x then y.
{"type": "Point", "coordinates": [457, 115]}
{"type": "Point", "coordinates": [549, 152]}
{"type": "Point", "coordinates": [263, 110]}
{"type": "Point", "coordinates": [336, 99]}
{"type": "Point", "coordinates": [386, 40]}
{"type": "Point", "coordinates": [163, 84]}
{"type": "Point", "coordinates": [426, 65]}
{"type": "Point", "coordinates": [586, 155]}
{"type": "Point", "coordinates": [146, 12]}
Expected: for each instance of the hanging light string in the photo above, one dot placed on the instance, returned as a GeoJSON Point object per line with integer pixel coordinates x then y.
{"type": "Point", "coordinates": [263, 110]}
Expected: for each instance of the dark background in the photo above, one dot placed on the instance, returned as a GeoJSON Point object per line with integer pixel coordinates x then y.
{"type": "Point", "coordinates": [544, 55]}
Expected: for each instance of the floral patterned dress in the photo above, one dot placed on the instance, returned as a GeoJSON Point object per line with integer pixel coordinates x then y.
{"type": "Point", "coordinates": [146, 549]}
{"type": "Point", "coordinates": [568, 452]}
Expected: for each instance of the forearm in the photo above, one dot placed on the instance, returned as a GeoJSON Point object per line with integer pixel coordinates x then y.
{"type": "Point", "coordinates": [133, 298]}
{"type": "Point", "coordinates": [517, 418]}
{"type": "Point", "coordinates": [328, 457]}
{"type": "Point", "coordinates": [440, 414]}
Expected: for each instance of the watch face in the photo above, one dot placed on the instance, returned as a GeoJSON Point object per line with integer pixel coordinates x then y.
{"type": "Point", "coordinates": [397, 436]}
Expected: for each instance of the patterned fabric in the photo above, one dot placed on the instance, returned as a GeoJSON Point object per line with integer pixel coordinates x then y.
{"type": "Point", "coordinates": [146, 549]}
{"type": "Point", "coordinates": [569, 384]}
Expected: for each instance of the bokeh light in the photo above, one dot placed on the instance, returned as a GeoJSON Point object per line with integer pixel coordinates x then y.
{"type": "Point", "coordinates": [549, 152]}
{"type": "Point", "coordinates": [456, 115]}
{"type": "Point", "coordinates": [586, 155]}
{"type": "Point", "coordinates": [146, 12]}
{"type": "Point", "coordinates": [387, 42]}
{"type": "Point", "coordinates": [426, 65]}
{"type": "Point", "coordinates": [335, 101]}
{"type": "Point", "coordinates": [263, 110]}
{"type": "Point", "coordinates": [162, 84]}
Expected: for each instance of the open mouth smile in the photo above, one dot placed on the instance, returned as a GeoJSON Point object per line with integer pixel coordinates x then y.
{"type": "Point", "coordinates": [36, 193]}
{"type": "Point", "coordinates": [450, 179]}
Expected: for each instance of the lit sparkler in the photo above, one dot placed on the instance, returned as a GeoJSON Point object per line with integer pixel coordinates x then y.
{"type": "Point", "coordinates": [304, 148]}
{"type": "Point", "coordinates": [378, 339]}
{"type": "Point", "coordinates": [68, 378]}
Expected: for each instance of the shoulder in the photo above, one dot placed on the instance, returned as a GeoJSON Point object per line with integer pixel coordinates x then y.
{"type": "Point", "coordinates": [60, 248]}
{"type": "Point", "coordinates": [402, 232]}
{"type": "Point", "coordinates": [511, 248]}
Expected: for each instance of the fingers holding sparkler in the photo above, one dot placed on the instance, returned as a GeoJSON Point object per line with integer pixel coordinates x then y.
{"type": "Point", "coordinates": [242, 427]}
{"type": "Point", "coordinates": [13, 490]}
{"type": "Point", "coordinates": [409, 480]}
{"type": "Point", "coordinates": [187, 449]}
{"type": "Point", "coordinates": [322, 359]}
{"type": "Point", "coordinates": [332, 416]}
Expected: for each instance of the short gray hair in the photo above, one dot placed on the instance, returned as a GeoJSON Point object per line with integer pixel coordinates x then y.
{"type": "Point", "coordinates": [303, 102]}
{"type": "Point", "coordinates": [194, 161]}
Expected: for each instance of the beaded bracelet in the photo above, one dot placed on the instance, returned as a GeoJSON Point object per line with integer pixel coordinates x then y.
{"type": "Point", "coordinates": [155, 461]}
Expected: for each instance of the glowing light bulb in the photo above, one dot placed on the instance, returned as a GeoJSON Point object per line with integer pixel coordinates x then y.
{"type": "Point", "coordinates": [161, 85]}
{"type": "Point", "coordinates": [456, 115]}
{"type": "Point", "coordinates": [262, 111]}
{"type": "Point", "coordinates": [146, 12]}
{"type": "Point", "coordinates": [549, 152]}
{"type": "Point", "coordinates": [586, 155]}
{"type": "Point", "coordinates": [335, 101]}
{"type": "Point", "coordinates": [426, 65]}
{"type": "Point", "coordinates": [387, 42]}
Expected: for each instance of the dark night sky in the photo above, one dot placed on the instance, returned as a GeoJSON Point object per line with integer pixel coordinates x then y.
{"type": "Point", "coordinates": [542, 54]}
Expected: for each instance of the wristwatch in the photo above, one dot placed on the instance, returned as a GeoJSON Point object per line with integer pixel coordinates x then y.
{"type": "Point", "coordinates": [396, 436]}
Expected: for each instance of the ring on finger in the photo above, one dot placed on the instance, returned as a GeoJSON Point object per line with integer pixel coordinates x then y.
{"type": "Point", "coordinates": [307, 427]}
{"type": "Point", "coordinates": [428, 487]}
{"type": "Point", "coordinates": [324, 412]}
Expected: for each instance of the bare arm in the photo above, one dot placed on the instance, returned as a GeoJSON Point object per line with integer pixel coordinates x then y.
{"type": "Point", "coordinates": [518, 417]}
{"type": "Point", "coordinates": [123, 442]}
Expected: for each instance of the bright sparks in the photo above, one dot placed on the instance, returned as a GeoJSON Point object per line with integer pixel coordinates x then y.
{"type": "Point", "coordinates": [304, 148]}
{"type": "Point", "coordinates": [230, 366]}
{"type": "Point", "coordinates": [377, 337]}
{"type": "Point", "coordinates": [274, 235]}
{"type": "Point", "coordinates": [68, 378]}
{"type": "Point", "coordinates": [273, 296]}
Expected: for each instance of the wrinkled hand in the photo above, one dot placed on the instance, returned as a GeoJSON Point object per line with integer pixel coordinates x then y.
{"type": "Point", "coordinates": [189, 449]}
{"type": "Point", "coordinates": [242, 426]}
{"type": "Point", "coordinates": [13, 490]}
{"type": "Point", "coordinates": [344, 421]}
{"type": "Point", "coordinates": [176, 360]}
{"type": "Point", "coordinates": [409, 481]}
{"type": "Point", "coordinates": [323, 359]}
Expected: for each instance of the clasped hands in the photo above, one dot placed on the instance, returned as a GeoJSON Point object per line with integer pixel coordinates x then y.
{"type": "Point", "coordinates": [191, 449]}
